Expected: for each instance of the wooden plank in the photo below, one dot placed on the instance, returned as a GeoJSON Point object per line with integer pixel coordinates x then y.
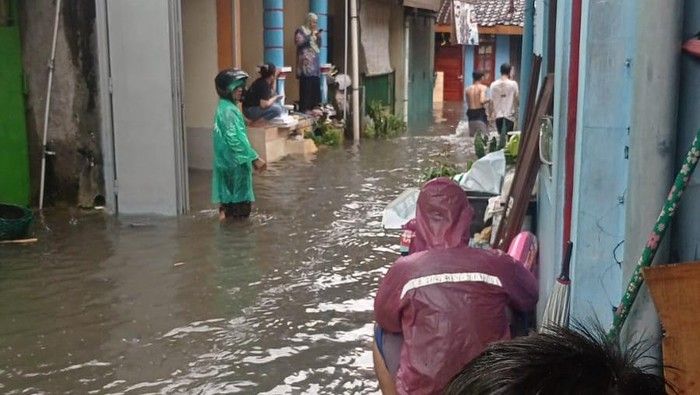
{"type": "Point", "coordinates": [525, 173]}
{"type": "Point", "coordinates": [505, 30]}
{"type": "Point", "coordinates": [224, 33]}
{"type": "Point", "coordinates": [237, 57]}
{"type": "Point", "coordinates": [531, 97]}
{"type": "Point", "coordinates": [20, 241]}
{"type": "Point", "coordinates": [443, 28]}
{"type": "Point", "coordinates": [675, 290]}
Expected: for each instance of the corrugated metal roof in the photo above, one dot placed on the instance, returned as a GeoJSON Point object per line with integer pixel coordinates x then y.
{"type": "Point", "coordinates": [488, 12]}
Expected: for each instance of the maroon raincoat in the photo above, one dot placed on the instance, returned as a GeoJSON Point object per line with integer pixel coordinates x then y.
{"type": "Point", "coordinates": [449, 301]}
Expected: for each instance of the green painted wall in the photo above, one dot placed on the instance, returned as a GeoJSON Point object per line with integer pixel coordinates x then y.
{"type": "Point", "coordinates": [14, 158]}
{"type": "Point", "coordinates": [420, 69]}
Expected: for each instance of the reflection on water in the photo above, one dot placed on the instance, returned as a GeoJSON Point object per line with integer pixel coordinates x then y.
{"type": "Point", "coordinates": [281, 303]}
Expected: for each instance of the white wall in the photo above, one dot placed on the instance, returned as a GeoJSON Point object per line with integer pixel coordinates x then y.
{"type": "Point", "coordinates": [200, 58]}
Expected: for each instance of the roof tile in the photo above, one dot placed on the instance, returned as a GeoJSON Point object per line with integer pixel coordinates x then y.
{"type": "Point", "coordinates": [487, 12]}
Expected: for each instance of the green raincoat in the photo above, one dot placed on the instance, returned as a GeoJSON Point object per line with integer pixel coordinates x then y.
{"type": "Point", "coordinates": [232, 177]}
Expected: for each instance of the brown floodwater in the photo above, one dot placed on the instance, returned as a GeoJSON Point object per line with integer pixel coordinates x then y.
{"type": "Point", "coordinates": [280, 303]}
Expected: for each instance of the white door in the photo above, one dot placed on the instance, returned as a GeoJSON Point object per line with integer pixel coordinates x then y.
{"type": "Point", "coordinates": [146, 82]}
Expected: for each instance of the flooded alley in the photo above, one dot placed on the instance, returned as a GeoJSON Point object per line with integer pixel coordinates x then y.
{"type": "Point", "coordinates": [281, 303]}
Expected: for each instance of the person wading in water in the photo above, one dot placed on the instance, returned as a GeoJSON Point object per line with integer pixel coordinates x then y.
{"type": "Point", "coordinates": [476, 98]}
{"type": "Point", "coordinates": [234, 157]}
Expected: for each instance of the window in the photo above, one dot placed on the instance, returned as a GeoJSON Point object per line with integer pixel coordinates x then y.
{"type": "Point", "coordinates": [485, 57]}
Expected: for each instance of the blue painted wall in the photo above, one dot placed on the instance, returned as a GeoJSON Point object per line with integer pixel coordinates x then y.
{"type": "Point", "coordinates": [273, 36]}
{"type": "Point", "coordinates": [502, 54]}
{"type": "Point", "coordinates": [468, 70]}
{"type": "Point", "coordinates": [607, 96]}
{"type": "Point", "coordinates": [601, 166]}
{"type": "Point", "coordinates": [686, 228]}
{"type": "Point", "coordinates": [468, 65]}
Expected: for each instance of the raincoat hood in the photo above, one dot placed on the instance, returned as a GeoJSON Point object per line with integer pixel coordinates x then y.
{"type": "Point", "coordinates": [443, 216]}
{"type": "Point", "coordinates": [447, 300]}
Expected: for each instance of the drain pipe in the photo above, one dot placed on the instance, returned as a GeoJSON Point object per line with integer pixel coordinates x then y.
{"type": "Point", "coordinates": [48, 106]}
{"type": "Point", "coordinates": [355, 73]}
{"type": "Point", "coordinates": [407, 48]}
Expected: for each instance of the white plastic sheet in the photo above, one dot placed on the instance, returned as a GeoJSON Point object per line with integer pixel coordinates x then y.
{"type": "Point", "coordinates": [486, 174]}
{"type": "Point", "coordinates": [400, 210]}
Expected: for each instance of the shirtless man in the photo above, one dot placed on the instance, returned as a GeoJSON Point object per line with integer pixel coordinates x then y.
{"type": "Point", "coordinates": [475, 96]}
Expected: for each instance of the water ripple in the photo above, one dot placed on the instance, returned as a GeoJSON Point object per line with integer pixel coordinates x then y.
{"type": "Point", "coordinates": [281, 303]}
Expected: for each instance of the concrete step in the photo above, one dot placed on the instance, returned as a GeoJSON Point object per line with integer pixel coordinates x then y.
{"type": "Point", "coordinates": [268, 133]}
{"type": "Point", "coordinates": [301, 147]}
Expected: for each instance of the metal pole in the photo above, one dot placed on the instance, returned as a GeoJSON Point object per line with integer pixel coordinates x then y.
{"type": "Point", "coordinates": [355, 73]}
{"type": "Point", "coordinates": [345, 67]}
{"type": "Point", "coordinates": [48, 105]}
{"type": "Point", "coordinates": [407, 49]}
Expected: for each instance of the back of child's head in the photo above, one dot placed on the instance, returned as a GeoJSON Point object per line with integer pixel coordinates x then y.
{"type": "Point", "coordinates": [563, 362]}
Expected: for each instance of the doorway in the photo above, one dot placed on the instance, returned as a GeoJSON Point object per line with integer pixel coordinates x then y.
{"type": "Point", "coordinates": [14, 157]}
{"type": "Point", "coordinates": [449, 59]}
{"type": "Point", "coordinates": [200, 64]}
{"type": "Point", "coordinates": [210, 41]}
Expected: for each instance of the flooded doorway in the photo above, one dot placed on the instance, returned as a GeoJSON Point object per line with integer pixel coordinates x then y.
{"type": "Point", "coordinates": [211, 43]}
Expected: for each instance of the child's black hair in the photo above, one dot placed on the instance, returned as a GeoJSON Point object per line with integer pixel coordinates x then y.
{"type": "Point", "coordinates": [564, 361]}
{"type": "Point", "coordinates": [267, 70]}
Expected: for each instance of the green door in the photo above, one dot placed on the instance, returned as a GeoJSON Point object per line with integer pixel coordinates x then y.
{"type": "Point", "coordinates": [420, 70]}
{"type": "Point", "coordinates": [379, 88]}
{"type": "Point", "coordinates": [14, 159]}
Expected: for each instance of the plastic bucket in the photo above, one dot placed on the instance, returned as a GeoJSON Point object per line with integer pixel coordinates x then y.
{"type": "Point", "coordinates": [14, 221]}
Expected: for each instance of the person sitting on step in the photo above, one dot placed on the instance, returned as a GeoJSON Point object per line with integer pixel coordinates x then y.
{"type": "Point", "coordinates": [261, 103]}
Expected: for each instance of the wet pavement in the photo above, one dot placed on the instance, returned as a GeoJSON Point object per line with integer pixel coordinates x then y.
{"type": "Point", "coordinates": [281, 303]}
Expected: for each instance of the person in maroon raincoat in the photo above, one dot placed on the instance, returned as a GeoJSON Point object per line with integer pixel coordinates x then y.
{"type": "Point", "coordinates": [447, 300]}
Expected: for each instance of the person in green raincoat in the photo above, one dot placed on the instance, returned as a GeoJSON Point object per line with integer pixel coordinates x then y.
{"type": "Point", "coordinates": [234, 157]}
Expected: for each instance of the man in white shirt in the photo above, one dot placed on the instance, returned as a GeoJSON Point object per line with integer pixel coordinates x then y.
{"type": "Point", "coordinates": [504, 99]}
